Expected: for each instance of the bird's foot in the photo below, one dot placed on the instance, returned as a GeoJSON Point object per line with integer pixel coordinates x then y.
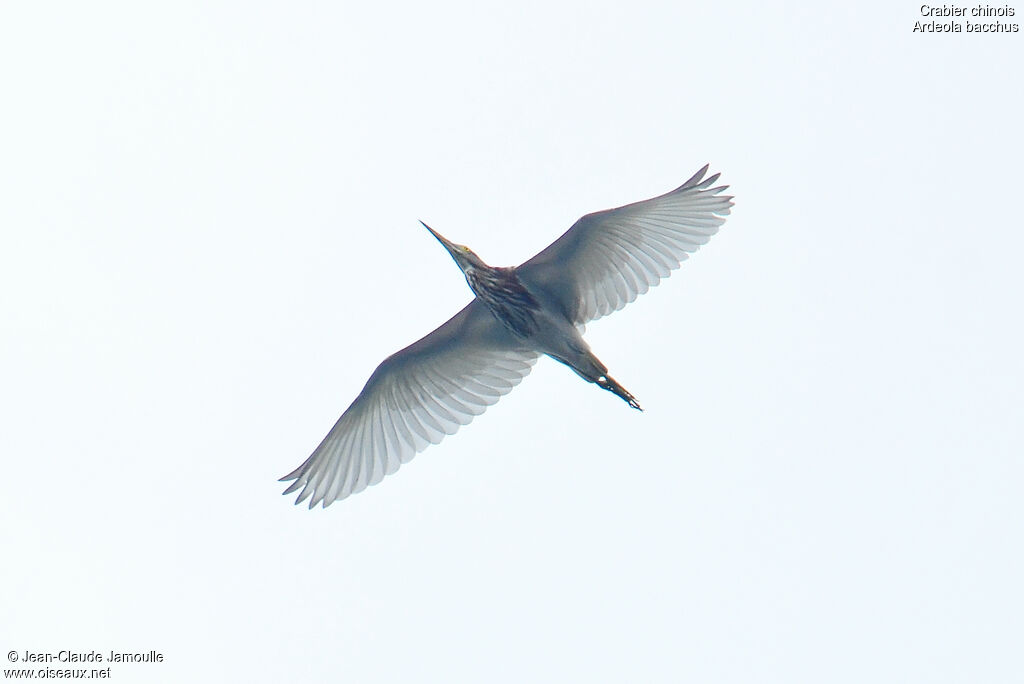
{"type": "Point", "coordinates": [607, 382]}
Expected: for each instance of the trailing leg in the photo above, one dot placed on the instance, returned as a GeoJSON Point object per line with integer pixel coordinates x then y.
{"type": "Point", "coordinates": [579, 357]}
{"type": "Point", "coordinates": [608, 382]}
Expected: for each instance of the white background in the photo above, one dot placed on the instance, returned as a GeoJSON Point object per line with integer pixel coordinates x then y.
{"type": "Point", "coordinates": [210, 239]}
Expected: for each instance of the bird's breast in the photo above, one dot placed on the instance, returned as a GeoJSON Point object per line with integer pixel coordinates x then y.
{"type": "Point", "coordinates": [508, 299]}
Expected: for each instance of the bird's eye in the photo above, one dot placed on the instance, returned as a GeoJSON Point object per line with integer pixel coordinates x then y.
{"type": "Point", "coordinates": [465, 248]}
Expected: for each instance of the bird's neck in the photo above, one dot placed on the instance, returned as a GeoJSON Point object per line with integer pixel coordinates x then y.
{"type": "Point", "coordinates": [506, 297]}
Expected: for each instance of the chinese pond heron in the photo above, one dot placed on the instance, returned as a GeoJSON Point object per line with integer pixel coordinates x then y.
{"type": "Point", "coordinates": [438, 384]}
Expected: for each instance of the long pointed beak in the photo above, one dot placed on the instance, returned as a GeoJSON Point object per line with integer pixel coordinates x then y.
{"type": "Point", "coordinates": [440, 238]}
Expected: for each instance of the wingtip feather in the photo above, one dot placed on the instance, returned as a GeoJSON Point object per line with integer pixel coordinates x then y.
{"type": "Point", "coordinates": [695, 178]}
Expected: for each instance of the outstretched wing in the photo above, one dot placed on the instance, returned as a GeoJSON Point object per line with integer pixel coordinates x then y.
{"type": "Point", "coordinates": [414, 398]}
{"type": "Point", "coordinates": [609, 258]}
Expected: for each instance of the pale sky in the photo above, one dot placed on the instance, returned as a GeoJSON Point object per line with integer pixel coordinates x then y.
{"type": "Point", "coordinates": [210, 240]}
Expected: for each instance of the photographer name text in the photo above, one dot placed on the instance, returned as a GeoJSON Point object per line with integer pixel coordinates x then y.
{"type": "Point", "coordinates": [92, 657]}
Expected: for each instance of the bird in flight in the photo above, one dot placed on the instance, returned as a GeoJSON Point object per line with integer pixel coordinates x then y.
{"type": "Point", "coordinates": [438, 384]}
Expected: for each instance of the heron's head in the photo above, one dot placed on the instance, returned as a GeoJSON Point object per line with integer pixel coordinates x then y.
{"type": "Point", "coordinates": [463, 255]}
